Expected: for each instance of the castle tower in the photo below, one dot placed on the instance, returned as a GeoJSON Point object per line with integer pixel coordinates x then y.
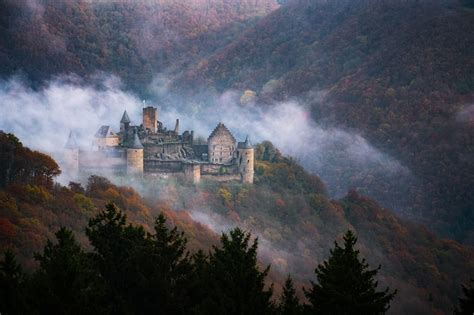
{"type": "Point", "coordinates": [245, 160]}
{"type": "Point", "coordinates": [124, 122]}
{"type": "Point", "coordinates": [135, 156]}
{"type": "Point", "coordinates": [71, 155]}
{"type": "Point", "coordinates": [150, 118]}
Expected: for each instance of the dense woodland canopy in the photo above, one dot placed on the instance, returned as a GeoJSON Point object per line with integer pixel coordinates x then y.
{"type": "Point", "coordinates": [287, 209]}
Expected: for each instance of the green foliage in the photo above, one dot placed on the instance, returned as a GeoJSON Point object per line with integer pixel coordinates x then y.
{"type": "Point", "coordinates": [346, 285]}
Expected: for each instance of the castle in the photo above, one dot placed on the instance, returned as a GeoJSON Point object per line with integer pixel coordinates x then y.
{"type": "Point", "coordinates": [151, 150]}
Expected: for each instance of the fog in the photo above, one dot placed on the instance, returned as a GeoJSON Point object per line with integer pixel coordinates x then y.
{"type": "Point", "coordinates": [43, 118]}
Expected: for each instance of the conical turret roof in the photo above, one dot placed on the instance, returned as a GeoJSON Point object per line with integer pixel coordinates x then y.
{"type": "Point", "coordinates": [247, 143]}
{"type": "Point", "coordinates": [125, 119]}
{"type": "Point", "coordinates": [136, 144]}
{"type": "Point", "coordinates": [71, 141]}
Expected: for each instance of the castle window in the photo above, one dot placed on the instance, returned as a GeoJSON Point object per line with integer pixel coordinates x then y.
{"type": "Point", "coordinates": [248, 161]}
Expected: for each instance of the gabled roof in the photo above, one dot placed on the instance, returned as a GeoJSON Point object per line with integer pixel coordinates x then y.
{"type": "Point", "coordinates": [105, 132]}
{"type": "Point", "coordinates": [136, 144]}
{"type": "Point", "coordinates": [125, 119]}
{"type": "Point", "coordinates": [220, 130]}
{"type": "Point", "coordinates": [71, 141]}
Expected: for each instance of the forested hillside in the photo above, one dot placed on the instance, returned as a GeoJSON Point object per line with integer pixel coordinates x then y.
{"type": "Point", "coordinates": [287, 208]}
{"type": "Point", "coordinates": [399, 72]}
{"type": "Point", "coordinates": [131, 39]}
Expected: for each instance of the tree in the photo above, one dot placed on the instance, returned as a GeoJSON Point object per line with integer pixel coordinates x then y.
{"type": "Point", "coordinates": [145, 273]}
{"type": "Point", "coordinates": [346, 285]}
{"type": "Point", "coordinates": [12, 282]}
{"type": "Point", "coordinates": [236, 285]}
{"type": "Point", "coordinates": [466, 304]}
{"type": "Point", "coordinates": [66, 281]}
{"type": "Point", "coordinates": [289, 304]}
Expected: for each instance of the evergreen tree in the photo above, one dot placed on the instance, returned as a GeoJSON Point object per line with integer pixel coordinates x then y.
{"type": "Point", "coordinates": [145, 273]}
{"type": "Point", "coordinates": [65, 281]}
{"type": "Point", "coordinates": [236, 285]}
{"type": "Point", "coordinates": [12, 282]}
{"type": "Point", "coordinates": [346, 285]}
{"type": "Point", "coordinates": [289, 304]}
{"type": "Point", "coordinates": [466, 304]}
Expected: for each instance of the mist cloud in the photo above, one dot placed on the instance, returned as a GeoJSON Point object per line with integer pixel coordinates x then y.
{"type": "Point", "coordinates": [42, 120]}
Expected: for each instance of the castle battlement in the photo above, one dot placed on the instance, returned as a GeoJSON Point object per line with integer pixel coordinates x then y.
{"type": "Point", "coordinates": [149, 149]}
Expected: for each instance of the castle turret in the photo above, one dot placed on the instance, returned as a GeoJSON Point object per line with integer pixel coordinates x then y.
{"type": "Point", "coordinates": [135, 156]}
{"type": "Point", "coordinates": [150, 118]}
{"type": "Point", "coordinates": [245, 160]}
{"type": "Point", "coordinates": [124, 122]}
{"type": "Point", "coordinates": [71, 155]}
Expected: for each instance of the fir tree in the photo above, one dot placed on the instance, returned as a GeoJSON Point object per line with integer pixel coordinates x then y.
{"type": "Point", "coordinates": [289, 304]}
{"type": "Point", "coordinates": [236, 285]}
{"type": "Point", "coordinates": [346, 285]}
{"type": "Point", "coordinates": [66, 281]}
{"type": "Point", "coordinates": [12, 282]}
{"type": "Point", "coordinates": [466, 303]}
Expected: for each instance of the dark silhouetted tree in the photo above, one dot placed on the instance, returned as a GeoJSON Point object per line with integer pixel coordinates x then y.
{"type": "Point", "coordinates": [12, 282]}
{"type": "Point", "coordinates": [346, 285]}
{"type": "Point", "coordinates": [466, 303]}
{"type": "Point", "coordinates": [289, 304]}
{"type": "Point", "coordinates": [236, 285]}
{"type": "Point", "coordinates": [66, 281]}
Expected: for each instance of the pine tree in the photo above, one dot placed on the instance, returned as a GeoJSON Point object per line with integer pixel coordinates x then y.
{"type": "Point", "coordinates": [144, 273]}
{"type": "Point", "coordinates": [236, 285]}
{"type": "Point", "coordinates": [289, 304]}
{"type": "Point", "coordinates": [466, 303]}
{"type": "Point", "coordinates": [12, 280]}
{"type": "Point", "coordinates": [66, 281]}
{"type": "Point", "coordinates": [346, 285]}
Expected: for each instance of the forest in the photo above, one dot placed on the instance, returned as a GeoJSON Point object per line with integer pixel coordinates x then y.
{"type": "Point", "coordinates": [293, 220]}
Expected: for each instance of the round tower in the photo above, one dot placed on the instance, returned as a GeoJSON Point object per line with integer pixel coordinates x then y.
{"type": "Point", "coordinates": [71, 156]}
{"type": "Point", "coordinates": [135, 156]}
{"type": "Point", "coordinates": [245, 156]}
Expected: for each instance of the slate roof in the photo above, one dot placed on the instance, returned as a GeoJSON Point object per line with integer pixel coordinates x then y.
{"type": "Point", "coordinates": [245, 145]}
{"type": "Point", "coordinates": [125, 118]}
{"type": "Point", "coordinates": [136, 144]}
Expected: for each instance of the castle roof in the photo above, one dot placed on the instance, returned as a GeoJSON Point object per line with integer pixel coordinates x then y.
{"type": "Point", "coordinates": [136, 144]}
{"type": "Point", "coordinates": [125, 119]}
{"type": "Point", "coordinates": [71, 141]}
{"type": "Point", "coordinates": [105, 132]}
{"type": "Point", "coordinates": [245, 145]}
{"type": "Point", "coordinates": [220, 130]}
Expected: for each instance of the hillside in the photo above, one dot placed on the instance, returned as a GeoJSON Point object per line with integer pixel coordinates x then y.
{"type": "Point", "coordinates": [130, 39]}
{"type": "Point", "coordinates": [287, 208]}
{"type": "Point", "coordinates": [399, 72]}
